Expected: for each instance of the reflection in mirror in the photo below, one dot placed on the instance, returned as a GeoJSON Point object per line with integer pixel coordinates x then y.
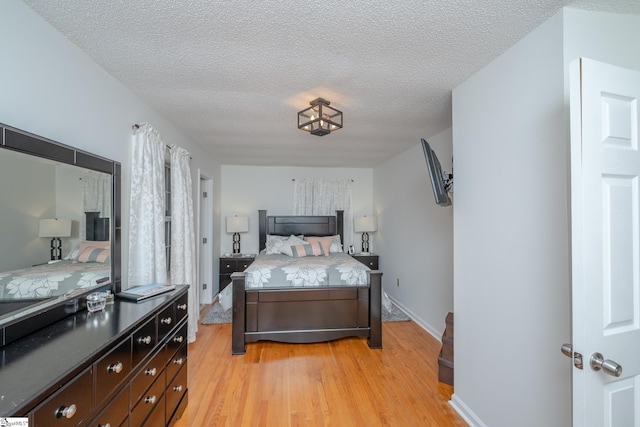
{"type": "Point", "coordinates": [46, 272]}
{"type": "Point", "coordinates": [34, 189]}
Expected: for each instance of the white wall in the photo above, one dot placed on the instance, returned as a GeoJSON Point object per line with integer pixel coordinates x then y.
{"type": "Point", "coordinates": [246, 189]}
{"type": "Point", "coordinates": [511, 221]}
{"type": "Point", "coordinates": [51, 88]}
{"type": "Point", "coordinates": [415, 236]}
{"type": "Point", "coordinates": [22, 206]}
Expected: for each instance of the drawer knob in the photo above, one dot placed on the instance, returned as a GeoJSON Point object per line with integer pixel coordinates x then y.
{"type": "Point", "coordinates": [151, 372]}
{"type": "Point", "coordinates": [115, 368]}
{"type": "Point", "coordinates": [66, 411]}
{"type": "Point", "coordinates": [182, 306]}
{"type": "Point", "coordinates": [150, 399]}
{"type": "Point", "coordinates": [177, 388]}
{"type": "Point", "coordinates": [166, 321]}
{"type": "Point", "coordinates": [178, 339]}
{"type": "Point", "coordinates": [228, 266]}
{"type": "Point", "coordinates": [178, 361]}
{"type": "Point", "coordinates": [145, 340]}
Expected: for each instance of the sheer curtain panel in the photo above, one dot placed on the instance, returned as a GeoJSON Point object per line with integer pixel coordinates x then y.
{"type": "Point", "coordinates": [96, 190]}
{"type": "Point", "coordinates": [147, 258]}
{"type": "Point", "coordinates": [324, 196]}
{"type": "Point", "coordinates": [183, 253]}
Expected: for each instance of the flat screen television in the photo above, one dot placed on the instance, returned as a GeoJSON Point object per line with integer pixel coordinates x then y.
{"type": "Point", "coordinates": [441, 181]}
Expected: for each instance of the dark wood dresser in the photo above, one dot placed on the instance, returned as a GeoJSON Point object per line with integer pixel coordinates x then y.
{"type": "Point", "coordinates": [125, 366]}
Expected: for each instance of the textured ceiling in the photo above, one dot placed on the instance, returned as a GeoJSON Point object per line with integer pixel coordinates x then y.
{"type": "Point", "coordinates": [233, 74]}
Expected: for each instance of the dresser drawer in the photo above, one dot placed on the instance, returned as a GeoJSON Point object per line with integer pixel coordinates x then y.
{"type": "Point", "coordinates": [166, 321]}
{"type": "Point", "coordinates": [112, 369]}
{"type": "Point", "coordinates": [68, 406]}
{"type": "Point", "coordinates": [156, 418]}
{"type": "Point", "coordinates": [176, 389]}
{"type": "Point", "coordinates": [144, 340]}
{"type": "Point", "coordinates": [177, 361]}
{"type": "Point", "coordinates": [227, 266]}
{"type": "Point", "coordinates": [231, 265]}
{"type": "Point", "coordinates": [153, 370]}
{"type": "Point", "coordinates": [177, 339]}
{"type": "Point", "coordinates": [148, 402]}
{"type": "Point", "coordinates": [370, 261]}
{"type": "Point", "coordinates": [182, 307]}
{"type": "Point", "coordinates": [115, 413]}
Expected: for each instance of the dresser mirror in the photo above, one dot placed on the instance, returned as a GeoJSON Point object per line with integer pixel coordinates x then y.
{"type": "Point", "coordinates": [59, 230]}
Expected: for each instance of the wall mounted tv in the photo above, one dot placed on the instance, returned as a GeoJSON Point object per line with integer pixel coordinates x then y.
{"type": "Point", "coordinates": [441, 181]}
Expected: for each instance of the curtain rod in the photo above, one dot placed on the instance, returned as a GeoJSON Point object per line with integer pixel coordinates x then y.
{"type": "Point", "coordinates": [136, 126]}
{"type": "Point", "coordinates": [293, 179]}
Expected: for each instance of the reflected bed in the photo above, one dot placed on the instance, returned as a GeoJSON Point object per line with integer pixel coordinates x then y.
{"type": "Point", "coordinates": [51, 280]}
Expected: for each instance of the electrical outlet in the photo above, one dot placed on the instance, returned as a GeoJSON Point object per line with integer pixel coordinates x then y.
{"type": "Point", "coordinates": [398, 282]}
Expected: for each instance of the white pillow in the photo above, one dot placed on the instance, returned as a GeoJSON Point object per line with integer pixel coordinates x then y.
{"type": "Point", "coordinates": [336, 245]}
{"type": "Point", "coordinates": [285, 248]}
{"type": "Point", "coordinates": [274, 243]}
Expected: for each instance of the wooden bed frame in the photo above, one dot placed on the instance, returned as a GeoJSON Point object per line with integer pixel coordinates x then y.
{"type": "Point", "coordinates": [305, 315]}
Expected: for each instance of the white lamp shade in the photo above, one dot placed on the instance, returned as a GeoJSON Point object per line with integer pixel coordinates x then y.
{"type": "Point", "coordinates": [364, 224]}
{"type": "Point", "coordinates": [54, 228]}
{"type": "Point", "coordinates": [237, 224]}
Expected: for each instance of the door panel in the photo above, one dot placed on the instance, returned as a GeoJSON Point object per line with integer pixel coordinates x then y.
{"type": "Point", "coordinates": [605, 243]}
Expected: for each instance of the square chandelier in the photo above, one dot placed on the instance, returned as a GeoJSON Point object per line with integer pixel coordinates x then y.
{"type": "Point", "coordinates": [320, 119]}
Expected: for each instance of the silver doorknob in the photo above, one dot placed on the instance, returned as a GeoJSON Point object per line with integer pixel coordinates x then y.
{"type": "Point", "coordinates": [608, 366]}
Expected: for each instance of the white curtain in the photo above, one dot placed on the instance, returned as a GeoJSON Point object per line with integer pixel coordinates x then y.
{"type": "Point", "coordinates": [183, 252]}
{"type": "Point", "coordinates": [96, 190]}
{"type": "Point", "coordinates": [324, 196]}
{"type": "Point", "coordinates": [147, 257]}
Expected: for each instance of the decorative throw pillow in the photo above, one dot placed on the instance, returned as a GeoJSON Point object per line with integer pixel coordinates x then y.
{"type": "Point", "coordinates": [308, 249]}
{"type": "Point", "coordinates": [93, 254]}
{"type": "Point", "coordinates": [285, 248]}
{"type": "Point", "coordinates": [336, 244]}
{"type": "Point", "coordinates": [325, 242]}
{"type": "Point", "coordinates": [274, 243]}
{"type": "Point", "coordinates": [73, 255]}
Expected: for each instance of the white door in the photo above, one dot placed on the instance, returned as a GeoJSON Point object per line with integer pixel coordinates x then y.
{"type": "Point", "coordinates": [605, 203]}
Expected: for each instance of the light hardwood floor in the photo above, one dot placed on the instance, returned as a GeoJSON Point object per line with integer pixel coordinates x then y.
{"type": "Point", "coordinates": [340, 383]}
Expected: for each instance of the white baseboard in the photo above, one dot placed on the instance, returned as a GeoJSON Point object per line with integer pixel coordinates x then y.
{"type": "Point", "coordinates": [465, 412]}
{"type": "Point", "coordinates": [424, 325]}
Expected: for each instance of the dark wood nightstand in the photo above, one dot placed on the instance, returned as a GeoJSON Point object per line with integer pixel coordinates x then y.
{"type": "Point", "coordinates": [370, 260]}
{"type": "Point", "coordinates": [232, 264]}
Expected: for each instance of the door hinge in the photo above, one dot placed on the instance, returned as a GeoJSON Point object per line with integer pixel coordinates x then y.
{"type": "Point", "coordinates": [204, 286]}
{"type": "Point", "coordinates": [204, 194]}
{"type": "Point", "coordinates": [204, 240]}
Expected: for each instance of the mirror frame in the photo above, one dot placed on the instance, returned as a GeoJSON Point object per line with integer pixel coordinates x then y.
{"type": "Point", "coordinates": [43, 314]}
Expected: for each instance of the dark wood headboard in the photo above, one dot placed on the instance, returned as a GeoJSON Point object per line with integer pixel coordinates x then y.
{"type": "Point", "coordinates": [285, 225]}
{"type": "Point", "coordinates": [96, 228]}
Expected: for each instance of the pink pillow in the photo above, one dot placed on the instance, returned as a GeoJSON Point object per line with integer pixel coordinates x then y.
{"type": "Point", "coordinates": [325, 242]}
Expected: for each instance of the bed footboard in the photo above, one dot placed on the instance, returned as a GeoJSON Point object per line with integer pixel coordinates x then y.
{"type": "Point", "coordinates": [306, 315]}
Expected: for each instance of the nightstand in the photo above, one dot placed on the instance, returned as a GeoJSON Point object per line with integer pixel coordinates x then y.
{"type": "Point", "coordinates": [370, 260]}
{"type": "Point", "coordinates": [232, 264]}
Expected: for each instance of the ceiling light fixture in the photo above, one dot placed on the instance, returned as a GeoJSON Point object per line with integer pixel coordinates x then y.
{"type": "Point", "coordinates": [319, 119]}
